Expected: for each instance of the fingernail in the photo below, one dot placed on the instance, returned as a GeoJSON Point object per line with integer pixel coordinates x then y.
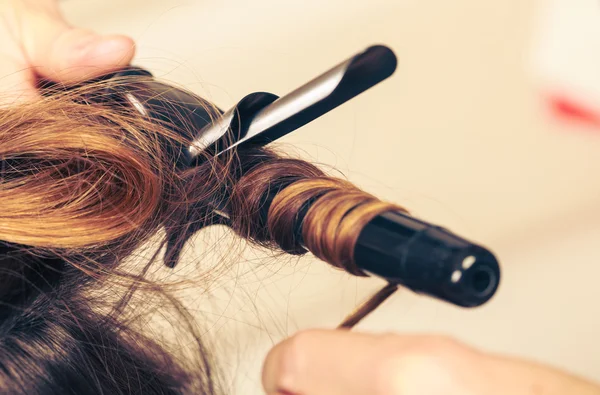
{"type": "Point", "coordinates": [81, 46]}
{"type": "Point", "coordinates": [107, 48]}
{"type": "Point", "coordinates": [100, 50]}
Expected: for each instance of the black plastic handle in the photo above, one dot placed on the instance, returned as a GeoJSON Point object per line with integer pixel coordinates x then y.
{"type": "Point", "coordinates": [427, 259]}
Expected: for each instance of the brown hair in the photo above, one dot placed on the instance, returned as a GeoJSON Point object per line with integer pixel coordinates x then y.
{"type": "Point", "coordinates": [83, 186]}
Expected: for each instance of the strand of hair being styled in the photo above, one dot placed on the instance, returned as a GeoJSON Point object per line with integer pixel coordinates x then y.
{"type": "Point", "coordinates": [292, 205]}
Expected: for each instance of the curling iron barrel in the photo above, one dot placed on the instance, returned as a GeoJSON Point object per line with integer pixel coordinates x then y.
{"type": "Point", "coordinates": [425, 258]}
{"type": "Point", "coordinates": [395, 246]}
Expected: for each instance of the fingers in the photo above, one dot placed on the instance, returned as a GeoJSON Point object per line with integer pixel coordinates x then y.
{"type": "Point", "coordinates": [349, 363]}
{"type": "Point", "coordinates": [67, 54]}
{"type": "Point", "coordinates": [342, 362]}
{"type": "Point", "coordinates": [328, 362]}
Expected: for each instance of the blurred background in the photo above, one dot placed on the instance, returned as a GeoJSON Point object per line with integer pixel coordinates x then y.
{"type": "Point", "coordinates": [489, 127]}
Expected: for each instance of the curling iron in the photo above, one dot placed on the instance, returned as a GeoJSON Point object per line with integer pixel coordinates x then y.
{"type": "Point", "coordinates": [395, 246]}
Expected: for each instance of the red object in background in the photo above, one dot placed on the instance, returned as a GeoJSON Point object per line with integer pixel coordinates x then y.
{"type": "Point", "coordinates": [571, 111]}
{"type": "Point", "coordinates": [566, 60]}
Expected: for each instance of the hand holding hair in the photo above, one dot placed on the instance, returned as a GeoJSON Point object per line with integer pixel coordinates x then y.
{"type": "Point", "coordinates": [39, 42]}
{"type": "Point", "coordinates": [321, 362]}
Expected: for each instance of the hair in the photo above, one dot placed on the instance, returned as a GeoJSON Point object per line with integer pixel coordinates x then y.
{"type": "Point", "coordinates": [84, 185]}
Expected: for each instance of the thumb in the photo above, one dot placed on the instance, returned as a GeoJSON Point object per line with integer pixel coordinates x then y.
{"type": "Point", "coordinates": [66, 54]}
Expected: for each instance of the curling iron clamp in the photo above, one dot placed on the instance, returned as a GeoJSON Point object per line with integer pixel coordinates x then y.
{"type": "Point", "coordinates": [394, 246]}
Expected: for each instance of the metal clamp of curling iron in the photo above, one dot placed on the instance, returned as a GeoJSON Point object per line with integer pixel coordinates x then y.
{"type": "Point", "coordinates": [401, 249]}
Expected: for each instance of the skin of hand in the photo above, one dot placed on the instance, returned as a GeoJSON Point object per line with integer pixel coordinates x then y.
{"type": "Point", "coordinates": [37, 42]}
{"type": "Point", "coordinates": [336, 362]}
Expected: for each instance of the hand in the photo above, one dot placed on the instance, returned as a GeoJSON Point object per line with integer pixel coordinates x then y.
{"type": "Point", "coordinates": [350, 363]}
{"type": "Point", "coordinates": [37, 42]}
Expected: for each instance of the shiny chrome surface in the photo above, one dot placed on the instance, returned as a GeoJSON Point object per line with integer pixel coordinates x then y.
{"type": "Point", "coordinates": [296, 101]}
{"type": "Point", "coordinates": [211, 133]}
{"type": "Point", "coordinates": [281, 109]}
